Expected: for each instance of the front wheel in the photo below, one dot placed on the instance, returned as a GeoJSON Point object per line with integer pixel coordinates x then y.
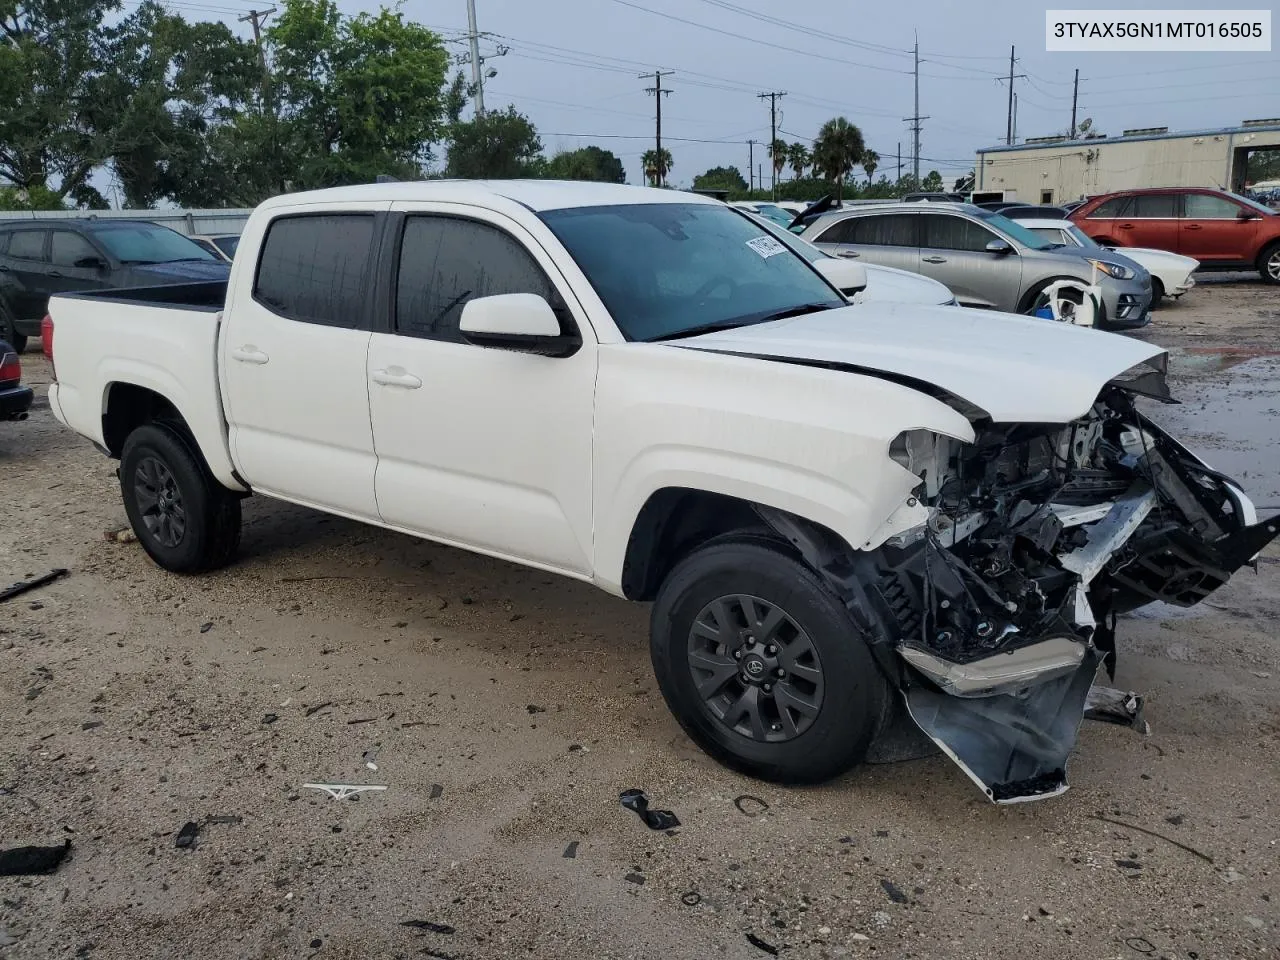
{"type": "Point", "coordinates": [1269, 264]}
{"type": "Point", "coordinates": [185, 520]}
{"type": "Point", "coordinates": [1157, 292]}
{"type": "Point", "coordinates": [761, 664]}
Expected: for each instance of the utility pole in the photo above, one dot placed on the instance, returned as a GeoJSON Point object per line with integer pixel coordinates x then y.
{"type": "Point", "coordinates": [257, 18]}
{"type": "Point", "coordinates": [899, 160]}
{"type": "Point", "coordinates": [915, 125]}
{"type": "Point", "coordinates": [773, 136]}
{"type": "Point", "coordinates": [477, 81]}
{"type": "Point", "coordinates": [658, 94]}
{"type": "Point", "coordinates": [751, 164]}
{"type": "Point", "coordinates": [1015, 118]}
{"type": "Point", "coordinates": [1075, 93]}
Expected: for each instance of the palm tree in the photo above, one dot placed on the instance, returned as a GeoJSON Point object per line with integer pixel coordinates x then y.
{"type": "Point", "coordinates": [798, 157]}
{"type": "Point", "coordinates": [778, 153]}
{"type": "Point", "coordinates": [654, 170]}
{"type": "Point", "coordinates": [870, 160]}
{"type": "Point", "coordinates": [838, 148]}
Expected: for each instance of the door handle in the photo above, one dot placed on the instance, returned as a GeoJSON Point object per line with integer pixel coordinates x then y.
{"type": "Point", "coordinates": [935, 259]}
{"type": "Point", "coordinates": [395, 377]}
{"type": "Point", "coordinates": [1126, 226]}
{"type": "Point", "coordinates": [249, 354]}
{"type": "Point", "coordinates": [54, 275]}
{"type": "Point", "coordinates": [848, 254]}
{"type": "Point", "coordinates": [1194, 226]}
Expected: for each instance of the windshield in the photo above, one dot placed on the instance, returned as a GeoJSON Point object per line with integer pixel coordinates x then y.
{"type": "Point", "coordinates": [1013, 230]}
{"type": "Point", "coordinates": [1253, 204]}
{"type": "Point", "coordinates": [148, 243]}
{"type": "Point", "coordinates": [1083, 238]}
{"type": "Point", "coordinates": [671, 269]}
{"type": "Point", "coordinates": [776, 214]}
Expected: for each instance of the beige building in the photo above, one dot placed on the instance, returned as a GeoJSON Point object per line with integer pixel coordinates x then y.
{"type": "Point", "coordinates": [1055, 170]}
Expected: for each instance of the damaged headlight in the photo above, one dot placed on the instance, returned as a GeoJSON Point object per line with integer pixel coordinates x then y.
{"type": "Point", "coordinates": [1147, 378]}
{"type": "Point", "coordinates": [1113, 270]}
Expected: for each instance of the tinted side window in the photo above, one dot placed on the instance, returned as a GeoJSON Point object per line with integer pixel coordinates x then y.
{"type": "Point", "coordinates": [27, 245]}
{"type": "Point", "coordinates": [315, 268]}
{"type": "Point", "coordinates": [839, 232]}
{"type": "Point", "coordinates": [444, 262]}
{"type": "Point", "coordinates": [67, 247]}
{"type": "Point", "coordinates": [1205, 206]}
{"type": "Point", "coordinates": [1114, 207]}
{"type": "Point", "coordinates": [1155, 205]}
{"type": "Point", "coordinates": [4, 242]}
{"type": "Point", "coordinates": [955, 233]}
{"type": "Point", "coordinates": [892, 230]}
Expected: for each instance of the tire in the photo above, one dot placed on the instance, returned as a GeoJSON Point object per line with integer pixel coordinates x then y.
{"type": "Point", "coordinates": [1157, 292]}
{"type": "Point", "coordinates": [1269, 263]}
{"type": "Point", "coordinates": [1029, 298]}
{"type": "Point", "coordinates": [849, 697]}
{"type": "Point", "coordinates": [9, 330]}
{"type": "Point", "coordinates": [185, 520]}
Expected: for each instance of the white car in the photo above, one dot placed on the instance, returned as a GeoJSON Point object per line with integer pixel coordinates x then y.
{"type": "Point", "coordinates": [864, 282]}
{"type": "Point", "coordinates": [839, 513]}
{"type": "Point", "coordinates": [1170, 272]}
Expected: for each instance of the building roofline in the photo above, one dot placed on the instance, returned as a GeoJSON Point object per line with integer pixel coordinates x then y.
{"type": "Point", "coordinates": [1182, 135]}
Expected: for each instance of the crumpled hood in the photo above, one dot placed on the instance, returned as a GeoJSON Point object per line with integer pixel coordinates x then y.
{"type": "Point", "coordinates": [1018, 369]}
{"type": "Point", "coordinates": [184, 270]}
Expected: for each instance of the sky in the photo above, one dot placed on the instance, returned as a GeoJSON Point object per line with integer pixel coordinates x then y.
{"type": "Point", "coordinates": [572, 66]}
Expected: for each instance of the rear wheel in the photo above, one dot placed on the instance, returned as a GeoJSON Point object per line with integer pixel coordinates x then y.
{"type": "Point", "coordinates": [1157, 292]}
{"type": "Point", "coordinates": [185, 520]}
{"type": "Point", "coordinates": [761, 664]}
{"type": "Point", "coordinates": [1269, 263]}
{"type": "Point", "coordinates": [9, 330]}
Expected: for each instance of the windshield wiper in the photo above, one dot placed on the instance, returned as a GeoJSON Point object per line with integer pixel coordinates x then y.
{"type": "Point", "coordinates": [749, 320]}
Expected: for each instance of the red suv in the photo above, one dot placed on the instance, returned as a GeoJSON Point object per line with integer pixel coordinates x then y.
{"type": "Point", "coordinates": [1221, 230]}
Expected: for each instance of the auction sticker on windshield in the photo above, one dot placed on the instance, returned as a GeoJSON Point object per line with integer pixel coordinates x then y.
{"type": "Point", "coordinates": [766, 246]}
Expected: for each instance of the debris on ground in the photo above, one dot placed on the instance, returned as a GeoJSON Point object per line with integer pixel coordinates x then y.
{"type": "Point", "coordinates": [341, 791]}
{"type": "Point", "coordinates": [27, 861]}
{"type": "Point", "coordinates": [206, 627]}
{"type": "Point", "coordinates": [571, 851]}
{"type": "Point", "coordinates": [23, 586]}
{"type": "Point", "coordinates": [429, 925]}
{"type": "Point", "coordinates": [270, 718]}
{"type": "Point", "coordinates": [691, 899]}
{"type": "Point", "coordinates": [187, 835]}
{"type": "Point", "coordinates": [317, 943]}
{"type": "Point", "coordinates": [1232, 875]}
{"type": "Point", "coordinates": [534, 708]}
{"type": "Point", "coordinates": [90, 724]}
{"type": "Point", "coordinates": [1151, 833]}
{"type": "Point", "coordinates": [311, 711]}
{"type": "Point", "coordinates": [636, 878]}
{"type": "Point", "coordinates": [764, 945]}
{"type": "Point", "coordinates": [123, 535]}
{"type": "Point", "coordinates": [368, 758]}
{"type": "Point", "coordinates": [636, 801]}
{"type": "Point", "coordinates": [225, 818]}
{"type": "Point", "coordinates": [436, 791]}
{"type": "Point", "coordinates": [1108, 705]}
{"type": "Point", "coordinates": [750, 806]}
{"type": "Point", "coordinates": [1140, 944]}
{"type": "Point", "coordinates": [1177, 819]}
{"type": "Point", "coordinates": [1129, 864]}
{"type": "Point", "coordinates": [895, 894]}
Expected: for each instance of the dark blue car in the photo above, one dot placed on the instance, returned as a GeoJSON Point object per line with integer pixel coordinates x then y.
{"type": "Point", "coordinates": [39, 258]}
{"type": "Point", "coordinates": [15, 399]}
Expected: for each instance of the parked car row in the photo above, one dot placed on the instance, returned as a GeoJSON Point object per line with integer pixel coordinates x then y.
{"type": "Point", "coordinates": [39, 259]}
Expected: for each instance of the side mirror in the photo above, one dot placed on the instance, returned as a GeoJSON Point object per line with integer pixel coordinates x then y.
{"type": "Point", "coordinates": [523, 322]}
{"type": "Point", "coordinates": [999, 247]}
{"type": "Point", "coordinates": [847, 277]}
{"type": "Point", "coordinates": [92, 263]}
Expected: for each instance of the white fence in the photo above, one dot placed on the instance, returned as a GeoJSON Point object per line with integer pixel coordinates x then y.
{"type": "Point", "coordinates": [190, 222]}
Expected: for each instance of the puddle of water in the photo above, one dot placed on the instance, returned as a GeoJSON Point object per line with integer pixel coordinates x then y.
{"type": "Point", "coordinates": [1193, 360]}
{"type": "Point", "coordinates": [1233, 425]}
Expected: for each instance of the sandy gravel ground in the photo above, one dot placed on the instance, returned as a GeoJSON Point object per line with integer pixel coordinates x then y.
{"type": "Point", "coordinates": [505, 710]}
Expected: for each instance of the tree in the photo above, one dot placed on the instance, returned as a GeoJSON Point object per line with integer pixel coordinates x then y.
{"type": "Point", "coordinates": [870, 160]}
{"type": "Point", "coordinates": [498, 145]}
{"type": "Point", "coordinates": [838, 148]}
{"type": "Point", "coordinates": [932, 182]}
{"type": "Point", "coordinates": [656, 168]}
{"type": "Point", "coordinates": [720, 178]}
{"type": "Point", "coordinates": [778, 152]}
{"type": "Point", "coordinates": [798, 157]}
{"type": "Point", "coordinates": [587, 163]}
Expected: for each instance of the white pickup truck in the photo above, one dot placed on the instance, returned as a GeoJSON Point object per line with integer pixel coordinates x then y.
{"type": "Point", "coordinates": [836, 510]}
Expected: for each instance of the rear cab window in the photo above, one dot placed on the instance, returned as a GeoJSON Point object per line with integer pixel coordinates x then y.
{"type": "Point", "coordinates": [315, 268]}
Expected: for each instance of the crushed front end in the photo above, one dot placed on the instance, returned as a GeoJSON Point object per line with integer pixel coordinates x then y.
{"type": "Point", "coordinates": [1003, 605]}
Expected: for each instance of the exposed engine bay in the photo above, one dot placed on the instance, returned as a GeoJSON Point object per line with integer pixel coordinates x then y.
{"type": "Point", "coordinates": [1004, 604]}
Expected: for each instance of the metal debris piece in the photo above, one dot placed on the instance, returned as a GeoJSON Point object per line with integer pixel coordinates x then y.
{"type": "Point", "coordinates": [894, 893]}
{"type": "Point", "coordinates": [638, 803]}
{"type": "Point", "coordinates": [764, 945]}
{"type": "Point", "coordinates": [429, 925]}
{"type": "Point", "coordinates": [206, 627]}
{"type": "Point", "coordinates": [636, 878]}
{"type": "Point", "coordinates": [270, 718]}
{"type": "Point", "coordinates": [27, 861]}
{"type": "Point", "coordinates": [341, 791]}
{"type": "Point", "coordinates": [23, 586]}
{"type": "Point", "coordinates": [436, 791]}
{"type": "Point", "coordinates": [1109, 705]}
{"type": "Point", "coordinates": [187, 835]}
{"type": "Point", "coordinates": [750, 806]}
{"type": "Point", "coordinates": [691, 899]}
{"type": "Point", "coordinates": [571, 851]}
